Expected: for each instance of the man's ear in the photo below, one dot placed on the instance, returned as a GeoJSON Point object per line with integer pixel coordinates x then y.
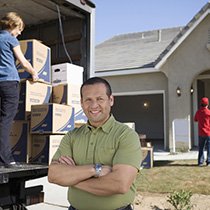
{"type": "Point", "coordinates": [111, 100]}
{"type": "Point", "coordinates": [81, 102]}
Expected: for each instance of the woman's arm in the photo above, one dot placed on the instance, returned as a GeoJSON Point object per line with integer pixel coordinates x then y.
{"type": "Point", "coordinates": [24, 62]}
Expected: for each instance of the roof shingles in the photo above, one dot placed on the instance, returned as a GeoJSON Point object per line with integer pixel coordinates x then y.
{"type": "Point", "coordinates": [134, 50]}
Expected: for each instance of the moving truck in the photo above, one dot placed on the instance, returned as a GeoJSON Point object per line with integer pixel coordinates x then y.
{"type": "Point", "coordinates": [67, 28]}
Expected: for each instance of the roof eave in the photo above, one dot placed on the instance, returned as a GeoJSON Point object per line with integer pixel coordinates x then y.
{"type": "Point", "coordinates": [122, 72]}
{"type": "Point", "coordinates": [175, 43]}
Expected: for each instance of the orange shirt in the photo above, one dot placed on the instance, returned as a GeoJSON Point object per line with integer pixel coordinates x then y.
{"type": "Point", "coordinates": [202, 116]}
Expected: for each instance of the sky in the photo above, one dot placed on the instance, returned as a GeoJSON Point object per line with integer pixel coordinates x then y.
{"type": "Point", "coordinates": [115, 17]}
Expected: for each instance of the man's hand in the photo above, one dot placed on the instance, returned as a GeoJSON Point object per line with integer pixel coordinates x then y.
{"type": "Point", "coordinates": [105, 170]}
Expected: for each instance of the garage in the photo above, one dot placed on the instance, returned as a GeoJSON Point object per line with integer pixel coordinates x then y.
{"type": "Point", "coordinates": [146, 111]}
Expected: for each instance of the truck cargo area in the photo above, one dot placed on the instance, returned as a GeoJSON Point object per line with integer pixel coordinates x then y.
{"type": "Point", "coordinates": [66, 27]}
{"type": "Point", "coordinates": [12, 184]}
{"type": "Point", "coordinates": [63, 25]}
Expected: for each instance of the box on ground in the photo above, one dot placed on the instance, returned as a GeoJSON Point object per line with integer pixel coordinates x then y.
{"type": "Point", "coordinates": [39, 55]}
{"type": "Point", "coordinates": [52, 118]}
{"type": "Point", "coordinates": [147, 157]}
{"type": "Point", "coordinates": [43, 148]}
{"type": "Point", "coordinates": [130, 124]}
{"type": "Point", "coordinates": [32, 93]}
{"type": "Point", "coordinates": [142, 138]}
{"type": "Point", "coordinates": [67, 73]}
{"type": "Point", "coordinates": [69, 94]}
{"type": "Point", "coordinates": [19, 140]}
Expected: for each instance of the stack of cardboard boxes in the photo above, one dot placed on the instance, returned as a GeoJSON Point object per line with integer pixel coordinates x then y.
{"type": "Point", "coordinates": [67, 80]}
{"type": "Point", "coordinates": [47, 109]}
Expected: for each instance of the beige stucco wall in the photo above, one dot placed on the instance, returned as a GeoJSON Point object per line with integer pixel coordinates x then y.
{"type": "Point", "coordinates": [138, 82]}
{"type": "Point", "coordinates": [182, 67]}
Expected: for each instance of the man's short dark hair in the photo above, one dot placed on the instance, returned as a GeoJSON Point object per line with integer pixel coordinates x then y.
{"type": "Point", "coordinates": [97, 80]}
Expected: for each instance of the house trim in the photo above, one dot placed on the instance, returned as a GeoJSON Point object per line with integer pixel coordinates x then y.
{"type": "Point", "coordinates": [178, 40]}
{"type": "Point", "coordinates": [125, 72]}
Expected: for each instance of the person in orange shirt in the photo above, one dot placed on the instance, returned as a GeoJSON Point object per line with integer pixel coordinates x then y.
{"type": "Point", "coordinates": [202, 116]}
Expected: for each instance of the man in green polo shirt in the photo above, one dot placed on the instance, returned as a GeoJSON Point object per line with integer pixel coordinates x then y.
{"type": "Point", "coordinates": [100, 160]}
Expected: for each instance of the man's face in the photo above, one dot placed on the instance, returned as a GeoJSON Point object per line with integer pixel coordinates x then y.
{"type": "Point", "coordinates": [96, 104]}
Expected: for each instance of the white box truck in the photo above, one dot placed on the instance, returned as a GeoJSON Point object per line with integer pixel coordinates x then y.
{"type": "Point", "coordinates": [67, 28]}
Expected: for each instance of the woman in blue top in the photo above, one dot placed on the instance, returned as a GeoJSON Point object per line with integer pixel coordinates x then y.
{"type": "Point", "coordinates": [11, 26]}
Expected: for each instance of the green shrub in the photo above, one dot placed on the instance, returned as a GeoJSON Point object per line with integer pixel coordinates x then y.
{"type": "Point", "coordinates": [180, 200]}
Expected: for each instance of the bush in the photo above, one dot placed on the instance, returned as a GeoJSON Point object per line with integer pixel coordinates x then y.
{"type": "Point", "coordinates": [180, 200]}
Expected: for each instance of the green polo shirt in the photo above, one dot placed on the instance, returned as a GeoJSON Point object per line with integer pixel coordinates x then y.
{"type": "Point", "coordinates": [113, 143]}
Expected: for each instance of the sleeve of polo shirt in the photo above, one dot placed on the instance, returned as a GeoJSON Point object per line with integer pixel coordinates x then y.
{"type": "Point", "coordinates": [129, 150]}
{"type": "Point", "coordinates": [14, 42]}
{"type": "Point", "coordinates": [64, 147]}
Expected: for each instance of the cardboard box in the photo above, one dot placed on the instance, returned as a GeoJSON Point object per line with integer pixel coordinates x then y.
{"type": "Point", "coordinates": [39, 55]}
{"type": "Point", "coordinates": [32, 93]}
{"type": "Point", "coordinates": [67, 73]}
{"type": "Point", "coordinates": [19, 138]}
{"type": "Point", "coordinates": [142, 138]}
{"type": "Point", "coordinates": [130, 124]}
{"type": "Point", "coordinates": [43, 148]}
{"type": "Point", "coordinates": [80, 117]}
{"type": "Point", "coordinates": [69, 94]}
{"type": "Point", "coordinates": [147, 157]}
{"type": "Point", "coordinates": [78, 125]}
{"type": "Point", "coordinates": [52, 118]}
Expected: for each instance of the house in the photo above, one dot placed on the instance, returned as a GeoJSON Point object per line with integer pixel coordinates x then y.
{"type": "Point", "coordinates": [158, 78]}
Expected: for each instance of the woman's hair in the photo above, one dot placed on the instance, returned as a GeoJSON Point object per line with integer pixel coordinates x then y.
{"type": "Point", "coordinates": [12, 20]}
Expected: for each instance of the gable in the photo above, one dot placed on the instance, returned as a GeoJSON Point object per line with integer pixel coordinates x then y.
{"type": "Point", "coordinates": [184, 33]}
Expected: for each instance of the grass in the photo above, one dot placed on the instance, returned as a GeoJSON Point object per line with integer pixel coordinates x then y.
{"type": "Point", "coordinates": [170, 176]}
